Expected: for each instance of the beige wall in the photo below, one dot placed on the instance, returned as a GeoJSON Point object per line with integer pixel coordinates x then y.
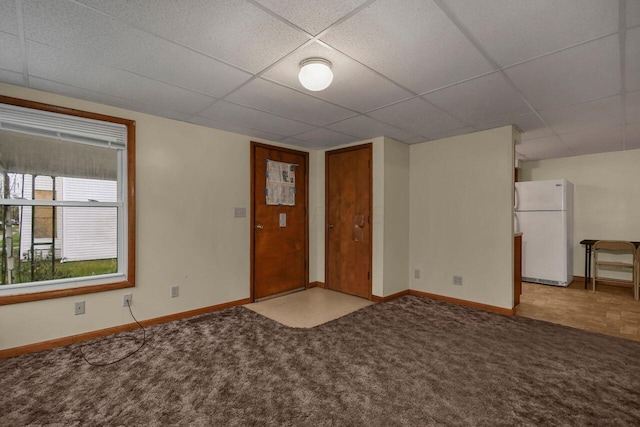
{"type": "Point", "coordinates": [189, 179]}
{"type": "Point", "coordinates": [606, 195]}
{"type": "Point", "coordinates": [461, 216]}
{"type": "Point", "coordinates": [396, 217]}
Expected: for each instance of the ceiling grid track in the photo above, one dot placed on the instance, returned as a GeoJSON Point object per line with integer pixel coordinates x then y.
{"type": "Point", "coordinates": [622, 13]}
{"type": "Point", "coordinates": [494, 64]}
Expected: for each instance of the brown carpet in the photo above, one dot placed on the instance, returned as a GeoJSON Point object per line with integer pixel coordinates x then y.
{"type": "Point", "coordinates": [411, 361]}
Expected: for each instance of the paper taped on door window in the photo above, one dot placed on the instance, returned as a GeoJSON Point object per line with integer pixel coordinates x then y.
{"type": "Point", "coordinates": [281, 183]}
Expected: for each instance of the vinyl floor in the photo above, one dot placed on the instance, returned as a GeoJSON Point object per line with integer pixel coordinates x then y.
{"type": "Point", "coordinates": [611, 310]}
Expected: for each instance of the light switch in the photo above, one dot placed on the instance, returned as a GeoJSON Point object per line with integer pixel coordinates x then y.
{"type": "Point", "coordinates": [283, 220]}
{"type": "Point", "coordinates": [240, 212]}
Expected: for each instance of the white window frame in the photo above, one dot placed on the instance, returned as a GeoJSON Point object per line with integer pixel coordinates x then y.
{"type": "Point", "coordinates": [86, 128]}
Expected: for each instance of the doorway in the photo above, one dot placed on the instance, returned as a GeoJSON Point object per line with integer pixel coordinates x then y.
{"type": "Point", "coordinates": [348, 233]}
{"type": "Point", "coordinates": [280, 231]}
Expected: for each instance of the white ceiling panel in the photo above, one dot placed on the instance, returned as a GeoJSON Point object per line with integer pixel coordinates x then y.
{"type": "Point", "coordinates": [632, 70]}
{"type": "Point", "coordinates": [600, 141]}
{"type": "Point", "coordinates": [100, 98]}
{"type": "Point", "coordinates": [267, 96]}
{"type": "Point", "coordinates": [10, 53]}
{"type": "Point", "coordinates": [633, 13]}
{"type": "Point", "coordinates": [59, 66]}
{"type": "Point", "coordinates": [95, 37]}
{"type": "Point", "coordinates": [295, 141]}
{"type": "Point", "coordinates": [485, 99]}
{"type": "Point", "coordinates": [516, 30]}
{"type": "Point", "coordinates": [530, 125]}
{"type": "Point", "coordinates": [229, 127]}
{"type": "Point", "coordinates": [323, 138]}
{"type": "Point", "coordinates": [249, 118]}
{"type": "Point", "coordinates": [309, 15]}
{"type": "Point", "coordinates": [632, 134]}
{"type": "Point", "coordinates": [633, 107]}
{"type": "Point", "coordinates": [8, 17]}
{"type": "Point", "coordinates": [417, 116]}
{"type": "Point", "coordinates": [543, 148]}
{"type": "Point", "coordinates": [416, 140]}
{"type": "Point", "coordinates": [219, 28]}
{"type": "Point", "coordinates": [453, 132]}
{"type": "Point", "coordinates": [11, 77]}
{"type": "Point", "coordinates": [606, 112]}
{"type": "Point", "coordinates": [588, 71]}
{"type": "Point", "coordinates": [202, 61]}
{"type": "Point", "coordinates": [366, 127]}
{"type": "Point", "coordinates": [352, 82]}
{"type": "Point", "coordinates": [411, 42]}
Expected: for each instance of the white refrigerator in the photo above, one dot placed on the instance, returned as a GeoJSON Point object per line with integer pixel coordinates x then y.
{"type": "Point", "coordinates": [544, 215]}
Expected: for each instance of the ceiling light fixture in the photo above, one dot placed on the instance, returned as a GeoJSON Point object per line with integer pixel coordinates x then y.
{"type": "Point", "coordinates": [315, 74]}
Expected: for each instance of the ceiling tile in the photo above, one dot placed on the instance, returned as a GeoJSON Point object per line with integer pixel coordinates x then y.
{"type": "Point", "coordinates": [10, 53]}
{"type": "Point", "coordinates": [273, 98]}
{"type": "Point", "coordinates": [11, 77]}
{"type": "Point", "coordinates": [633, 13]}
{"type": "Point", "coordinates": [59, 66]}
{"type": "Point", "coordinates": [411, 42]}
{"type": "Point", "coordinates": [416, 140]}
{"type": "Point", "coordinates": [632, 69]}
{"type": "Point", "coordinates": [219, 28]}
{"type": "Point", "coordinates": [8, 17]}
{"type": "Point", "coordinates": [543, 148]}
{"type": "Point", "coordinates": [632, 135]}
{"type": "Point", "coordinates": [485, 99]}
{"type": "Point", "coordinates": [454, 132]}
{"type": "Point", "coordinates": [101, 98]}
{"type": "Point", "coordinates": [599, 141]}
{"type": "Point", "coordinates": [633, 107]}
{"type": "Point", "coordinates": [417, 116]}
{"type": "Point", "coordinates": [516, 30]}
{"type": "Point", "coordinates": [308, 15]}
{"type": "Point", "coordinates": [352, 82]}
{"type": "Point", "coordinates": [295, 141]}
{"type": "Point", "coordinates": [97, 38]}
{"type": "Point", "coordinates": [324, 138]}
{"type": "Point", "coordinates": [249, 118]}
{"type": "Point", "coordinates": [588, 71]}
{"type": "Point", "coordinates": [591, 115]}
{"type": "Point", "coordinates": [226, 126]}
{"type": "Point", "coordinates": [365, 127]}
{"type": "Point", "coordinates": [530, 125]}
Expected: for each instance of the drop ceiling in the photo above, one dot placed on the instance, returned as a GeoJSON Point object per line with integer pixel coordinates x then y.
{"type": "Point", "coordinates": [565, 72]}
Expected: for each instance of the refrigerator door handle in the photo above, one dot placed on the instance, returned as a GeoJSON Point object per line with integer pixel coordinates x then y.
{"type": "Point", "coordinates": [516, 223]}
{"type": "Point", "coordinates": [516, 199]}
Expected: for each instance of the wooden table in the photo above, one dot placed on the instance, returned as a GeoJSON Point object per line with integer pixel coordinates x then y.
{"type": "Point", "coordinates": [588, 245]}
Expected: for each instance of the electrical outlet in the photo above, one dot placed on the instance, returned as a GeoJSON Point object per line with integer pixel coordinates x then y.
{"type": "Point", "coordinates": [457, 280]}
{"type": "Point", "coordinates": [416, 274]}
{"type": "Point", "coordinates": [79, 307]}
{"type": "Point", "coordinates": [126, 300]}
{"type": "Point", "coordinates": [175, 290]}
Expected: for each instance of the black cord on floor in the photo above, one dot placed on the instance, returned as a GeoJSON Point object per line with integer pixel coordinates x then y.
{"type": "Point", "coordinates": [144, 341]}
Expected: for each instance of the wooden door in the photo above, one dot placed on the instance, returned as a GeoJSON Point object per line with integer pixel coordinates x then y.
{"type": "Point", "coordinates": [348, 215]}
{"type": "Point", "coordinates": [280, 251]}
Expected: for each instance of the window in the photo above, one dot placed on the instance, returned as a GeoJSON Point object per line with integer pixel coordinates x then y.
{"type": "Point", "coordinates": [67, 208]}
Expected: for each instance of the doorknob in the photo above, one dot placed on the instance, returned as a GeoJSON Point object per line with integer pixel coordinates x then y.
{"type": "Point", "coordinates": [259, 227]}
{"type": "Point", "coordinates": [329, 225]}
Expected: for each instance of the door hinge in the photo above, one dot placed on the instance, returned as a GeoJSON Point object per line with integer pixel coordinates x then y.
{"type": "Point", "coordinates": [368, 275]}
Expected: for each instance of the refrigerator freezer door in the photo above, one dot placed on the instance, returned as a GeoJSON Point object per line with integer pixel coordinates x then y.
{"type": "Point", "coordinates": [541, 195]}
{"type": "Point", "coordinates": [544, 247]}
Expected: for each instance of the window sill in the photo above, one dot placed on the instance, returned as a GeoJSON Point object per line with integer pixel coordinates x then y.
{"type": "Point", "coordinates": [36, 293]}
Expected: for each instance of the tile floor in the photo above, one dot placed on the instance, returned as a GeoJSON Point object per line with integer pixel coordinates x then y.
{"type": "Point", "coordinates": [309, 308]}
{"type": "Point", "coordinates": [611, 310]}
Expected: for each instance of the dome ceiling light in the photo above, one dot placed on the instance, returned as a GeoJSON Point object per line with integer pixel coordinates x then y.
{"type": "Point", "coordinates": [315, 74]}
